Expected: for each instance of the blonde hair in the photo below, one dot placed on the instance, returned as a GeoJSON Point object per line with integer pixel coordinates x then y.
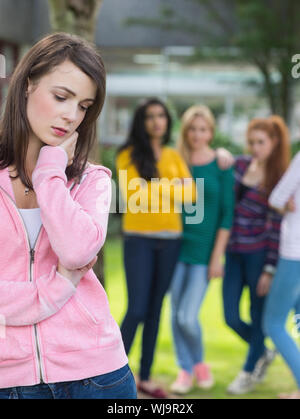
{"type": "Point", "coordinates": [187, 118]}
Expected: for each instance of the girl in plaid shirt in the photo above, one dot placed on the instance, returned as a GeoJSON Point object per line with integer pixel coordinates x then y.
{"type": "Point", "coordinates": [252, 250]}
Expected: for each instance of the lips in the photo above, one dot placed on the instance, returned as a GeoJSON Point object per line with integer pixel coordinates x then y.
{"type": "Point", "coordinates": [59, 131]}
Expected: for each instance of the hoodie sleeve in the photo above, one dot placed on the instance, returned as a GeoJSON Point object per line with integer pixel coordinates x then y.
{"type": "Point", "coordinates": [76, 229]}
{"type": "Point", "coordinates": [287, 185]}
{"type": "Point", "coordinates": [273, 240]}
{"type": "Point", "coordinates": [27, 303]}
{"type": "Point", "coordinates": [227, 199]}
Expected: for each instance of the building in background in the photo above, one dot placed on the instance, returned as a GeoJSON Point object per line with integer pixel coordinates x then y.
{"type": "Point", "coordinates": [145, 61]}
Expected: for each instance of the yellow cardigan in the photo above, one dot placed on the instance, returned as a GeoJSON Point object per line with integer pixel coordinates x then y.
{"type": "Point", "coordinates": [154, 207]}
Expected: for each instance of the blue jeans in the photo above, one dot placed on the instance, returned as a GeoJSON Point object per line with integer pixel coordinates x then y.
{"type": "Point", "coordinates": [283, 297]}
{"type": "Point", "coordinates": [149, 265]}
{"type": "Point", "coordinates": [188, 288]}
{"type": "Point", "coordinates": [244, 269]}
{"type": "Point", "coordinates": [118, 384]}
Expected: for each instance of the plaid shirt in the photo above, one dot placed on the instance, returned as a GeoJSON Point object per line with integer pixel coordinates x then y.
{"type": "Point", "coordinates": [256, 226]}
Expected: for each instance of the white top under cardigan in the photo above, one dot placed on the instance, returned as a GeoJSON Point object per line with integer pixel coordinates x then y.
{"type": "Point", "coordinates": [33, 222]}
{"type": "Point", "coordinates": [32, 218]}
{"type": "Point", "coordinates": [288, 187]}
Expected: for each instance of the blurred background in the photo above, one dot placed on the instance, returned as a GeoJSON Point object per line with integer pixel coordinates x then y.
{"type": "Point", "coordinates": [233, 55]}
{"type": "Point", "coordinates": [228, 54]}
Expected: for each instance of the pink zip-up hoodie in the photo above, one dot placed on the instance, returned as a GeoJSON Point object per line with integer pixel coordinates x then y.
{"type": "Point", "coordinates": [51, 331]}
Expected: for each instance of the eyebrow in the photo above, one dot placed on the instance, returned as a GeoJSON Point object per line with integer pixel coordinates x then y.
{"type": "Point", "coordinates": [73, 94]}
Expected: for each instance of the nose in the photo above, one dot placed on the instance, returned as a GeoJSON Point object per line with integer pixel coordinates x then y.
{"type": "Point", "coordinates": [70, 114]}
{"type": "Point", "coordinates": [256, 148]}
{"type": "Point", "coordinates": [197, 136]}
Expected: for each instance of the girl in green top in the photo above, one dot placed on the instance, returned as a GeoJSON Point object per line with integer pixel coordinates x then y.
{"type": "Point", "coordinates": [203, 246]}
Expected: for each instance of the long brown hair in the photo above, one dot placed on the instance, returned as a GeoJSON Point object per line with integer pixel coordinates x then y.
{"type": "Point", "coordinates": [46, 54]}
{"type": "Point", "coordinates": [279, 159]}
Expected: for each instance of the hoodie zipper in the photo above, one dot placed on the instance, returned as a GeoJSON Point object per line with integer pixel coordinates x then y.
{"type": "Point", "coordinates": [31, 254]}
{"type": "Point", "coordinates": [37, 344]}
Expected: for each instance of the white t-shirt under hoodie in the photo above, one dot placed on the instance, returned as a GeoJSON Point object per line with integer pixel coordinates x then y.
{"type": "Point", "coordinates": [289, 187]}
{"type": "Point", "coordinates": [33, 222]}
{"type": "Point", "coordinates": [32, 219]}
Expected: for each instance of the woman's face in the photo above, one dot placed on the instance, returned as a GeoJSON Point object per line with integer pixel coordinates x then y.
{"type": "Point", "coordinates": [198, 134]}
{"type": "Point", "coordinates": [156, 121]}
{"type": "Point", "coordinates": [260, 145]}
{"type": "Point", "coordinates": [57, 103]}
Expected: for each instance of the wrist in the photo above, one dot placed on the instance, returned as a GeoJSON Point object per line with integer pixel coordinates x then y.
{"type": "Point", "coordinates": [270, 270]}
{"type": "Point", "coordinates": [64, 272]}
{"type": "Point", "coordinates": [216, 258]}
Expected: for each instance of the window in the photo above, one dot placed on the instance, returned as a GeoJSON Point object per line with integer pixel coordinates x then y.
{"type": "Point", "coordinates": [10, 52]}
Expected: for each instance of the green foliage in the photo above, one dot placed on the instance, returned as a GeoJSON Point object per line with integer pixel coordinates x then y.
{"type": "Point", "coordinates": [108, 156]}
{"type": "Point", "coordinates": [295, 147]}
{"type": "Point", "coordinates": [248, 31]}
{"type": "Point", "coordinates": [222, 140]}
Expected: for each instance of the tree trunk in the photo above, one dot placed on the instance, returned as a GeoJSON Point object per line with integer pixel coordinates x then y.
{"type": "Point", "coordinates": [270, 88]}
{"type": "Point", "coordinates": [286, 97]}
{"type": "Point", "coordinates": [75, 16]}
{"type": "Point", "coordinates": [79, 17]}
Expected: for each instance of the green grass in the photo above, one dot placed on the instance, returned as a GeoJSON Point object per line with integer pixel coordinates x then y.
{"type": "Point", "coordinates": [224, 350]}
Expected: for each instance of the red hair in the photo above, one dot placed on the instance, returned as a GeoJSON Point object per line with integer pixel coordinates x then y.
{"type": "Point", "coordinates": [279, 159]}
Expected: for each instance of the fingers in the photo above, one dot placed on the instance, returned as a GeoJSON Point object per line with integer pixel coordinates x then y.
{"type": "Point", "coordinates": [258, 291]}
{"type": "Point", "coordinates": [89, 265]}
{"type": "Point", "coordinates": [69, 145]}
{"type": "Point", "coordinates": [291, 205]}
{"type": "Point", "coordinates": [262, 289]}
{"type": "Point", "coordinates": [71, 140]}
{"type": "Point", "coordinates": [92, 263]}
{"type": "Point", "coordinates": [70, 162]}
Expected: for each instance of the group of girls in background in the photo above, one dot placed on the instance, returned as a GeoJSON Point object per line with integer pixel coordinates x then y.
{"type": "Point", "coordinates": [254, 228]}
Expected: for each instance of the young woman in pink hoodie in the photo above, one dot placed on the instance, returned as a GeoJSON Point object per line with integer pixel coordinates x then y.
{"type": "Point", "coordinates": [57, 336]}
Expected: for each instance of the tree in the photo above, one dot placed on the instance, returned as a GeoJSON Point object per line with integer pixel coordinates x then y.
{"type": "Point", "coordinates": [75, 16]}
{"type": "Point", "coordinates": [264, 33]}
{"type": "Point", "coordinates": [79, 17]}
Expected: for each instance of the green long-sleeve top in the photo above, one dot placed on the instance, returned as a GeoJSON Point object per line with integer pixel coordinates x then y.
{"type": "Point", "coordinates": [218, 205]}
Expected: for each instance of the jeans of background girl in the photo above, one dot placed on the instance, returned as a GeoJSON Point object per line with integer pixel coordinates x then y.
{"type": "Point", "coordinates": [118, 384]}
{"type": "Point", "coordinates": [245, 269]}
{"type": "Point", "coordinates": [188, 288]}
{"type": "Point", "coordinates": [149, 265]}
{"type": "Point", "coordinates": [284, 296]}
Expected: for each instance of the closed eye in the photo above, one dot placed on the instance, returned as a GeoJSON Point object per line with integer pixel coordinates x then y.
{"type": "Point", "coordinates": [62, 99]}
{"type": "Point", "coordinates": [84, 108]}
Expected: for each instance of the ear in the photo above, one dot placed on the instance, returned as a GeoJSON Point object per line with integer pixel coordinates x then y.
{"type": "Point", "coordinates": [29, 86]}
